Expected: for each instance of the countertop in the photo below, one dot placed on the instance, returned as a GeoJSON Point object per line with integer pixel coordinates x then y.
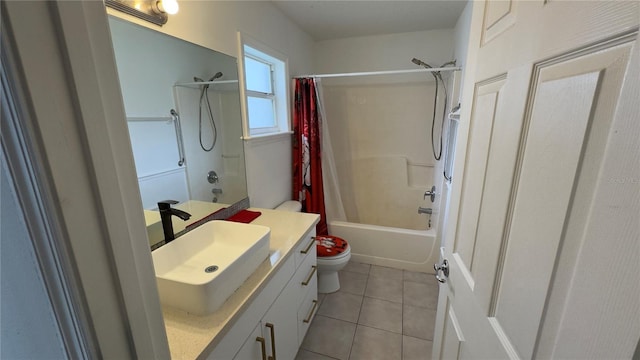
{"type": "Point", "coordinates": [191, 336]}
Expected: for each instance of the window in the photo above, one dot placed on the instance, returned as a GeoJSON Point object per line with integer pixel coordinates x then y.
{"type": "Point", "coordinates": [260, 94]}
{"type": "Point", "coordinates": [266, 91]}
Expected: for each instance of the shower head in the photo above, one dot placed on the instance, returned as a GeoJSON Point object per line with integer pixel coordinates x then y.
{"type": "Point", "coordinates": [452, 62]}
{"type": "Point", "coordinates": [421, 63]}
{"type": "Point", "coordinates": [435, 74]}
{"type": "Point", "coordinates": [216, 76]}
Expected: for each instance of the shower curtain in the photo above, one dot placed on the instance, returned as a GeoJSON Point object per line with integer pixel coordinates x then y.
{"type": "Point", "coordinates": [306, 152]}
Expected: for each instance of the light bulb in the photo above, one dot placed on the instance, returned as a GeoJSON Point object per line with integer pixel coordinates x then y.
{"type": "Point", "coordinates": [169, 6]}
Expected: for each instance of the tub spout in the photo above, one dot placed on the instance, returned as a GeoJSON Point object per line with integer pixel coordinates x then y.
{"type": "Point", "coordinates": [422, 210]}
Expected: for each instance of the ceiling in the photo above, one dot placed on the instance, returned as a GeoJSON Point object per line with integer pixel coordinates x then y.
{"type": "Point", "coordinates": [326, 19]}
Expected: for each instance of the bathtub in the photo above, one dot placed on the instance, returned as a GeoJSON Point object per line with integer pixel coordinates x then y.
{"type": "Point", "coordinates": [413, 250]}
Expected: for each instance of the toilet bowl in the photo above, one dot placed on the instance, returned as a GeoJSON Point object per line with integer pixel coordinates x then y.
{"type": "Point", "coordinates": [328, 265]}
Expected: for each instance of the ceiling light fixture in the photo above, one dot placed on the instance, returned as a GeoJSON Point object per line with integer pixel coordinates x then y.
{"type": "Point", "coordinates": [166, 6]}
{"type": "Point", "coordinates": [154, 11]}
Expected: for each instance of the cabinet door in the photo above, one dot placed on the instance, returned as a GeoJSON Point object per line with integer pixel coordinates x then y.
{"type": "Point", "coordinates": [279, 325]}
{"type": "Point", "coordinates": [252, 347]}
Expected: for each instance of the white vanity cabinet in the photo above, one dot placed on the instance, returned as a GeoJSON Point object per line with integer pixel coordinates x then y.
{"type": "Point", "coordinates": [253, 347]}
{"type": "Point", "coordinates": [274, 316]}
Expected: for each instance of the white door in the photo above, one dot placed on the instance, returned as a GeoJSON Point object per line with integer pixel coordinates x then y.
{"type": "Point", "coordinates": [280, 323]}
{"type": "Point", "coordinates": [543, 238]}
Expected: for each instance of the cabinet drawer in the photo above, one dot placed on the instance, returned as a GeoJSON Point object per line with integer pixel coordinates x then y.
{"type": "Point", "coordinates": [304, 248]}
{"type": "Point", "coordinates": [308, 309]}
{"type": "Point", "coordinates": [302, 280]}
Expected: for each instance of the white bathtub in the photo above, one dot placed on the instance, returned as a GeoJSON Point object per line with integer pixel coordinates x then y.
{"type": "Point", "coordinates": [413, 250]}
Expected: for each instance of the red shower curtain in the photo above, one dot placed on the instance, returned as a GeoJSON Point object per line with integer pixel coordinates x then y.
{"type": "Point", "coordinates": [307, 166]}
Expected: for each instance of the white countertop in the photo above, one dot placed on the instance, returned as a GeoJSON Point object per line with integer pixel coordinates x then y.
{"type": "Point", "coordinates": [193, 336]}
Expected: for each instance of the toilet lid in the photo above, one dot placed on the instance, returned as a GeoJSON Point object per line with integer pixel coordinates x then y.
{"type": "Point", "coordinates": [328, 245]}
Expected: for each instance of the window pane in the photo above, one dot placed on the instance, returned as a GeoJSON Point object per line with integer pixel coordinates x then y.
{"type": "Point", "coordinates": [258, 75]}
{"type": "Point", "coordinates": [260, 112]}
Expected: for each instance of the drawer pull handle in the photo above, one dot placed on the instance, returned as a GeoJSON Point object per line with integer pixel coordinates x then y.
{"type": "Point", "coordinates": [313, 240]}
{"type": "Point", "coordinates": [263, 347]}
{"type": "Point", "coordinates": [273, 340]}
{"type": "Point", "coordinates": [313, 309]}
{"type": "Point", "coordinates": [313, 271]}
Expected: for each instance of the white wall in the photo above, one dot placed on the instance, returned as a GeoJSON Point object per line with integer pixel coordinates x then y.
{"type": "Point", "coordinates": [384, 52]}
{"type": "Point", "coordinates": [214, 24]}
{"type": "Point", "coordinates": [29, 327]}
{"type": "Point", "coordinates": [461, 39]}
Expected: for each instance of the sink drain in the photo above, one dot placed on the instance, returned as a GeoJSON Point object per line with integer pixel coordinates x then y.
{"type": "Point", "coordinates": [211, 268]}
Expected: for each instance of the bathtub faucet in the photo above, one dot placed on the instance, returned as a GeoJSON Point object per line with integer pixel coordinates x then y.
{"type": "Point", "coordinates": [422, 210]}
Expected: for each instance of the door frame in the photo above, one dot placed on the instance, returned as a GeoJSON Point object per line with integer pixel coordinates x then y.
{"type": "Point", "coordinates": [72, 127]}
{"type": "Point", "coordinates": [462, 142]}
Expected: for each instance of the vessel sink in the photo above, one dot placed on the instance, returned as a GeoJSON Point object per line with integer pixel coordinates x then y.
{"type": "Point", "coordinates": [198, 271]}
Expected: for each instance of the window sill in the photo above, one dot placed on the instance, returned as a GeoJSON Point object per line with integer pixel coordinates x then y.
{"type": "Point", "coordinates": [267, 138]}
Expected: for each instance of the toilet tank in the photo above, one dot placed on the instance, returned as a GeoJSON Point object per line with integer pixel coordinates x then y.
{"type": "Point", "coordinates": [291, 206]}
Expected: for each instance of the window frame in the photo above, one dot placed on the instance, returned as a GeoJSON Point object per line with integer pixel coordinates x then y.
{"type": "Point", "coordinates": [249, 47]}
{"type": "Point", "coordinates": [262, 95]}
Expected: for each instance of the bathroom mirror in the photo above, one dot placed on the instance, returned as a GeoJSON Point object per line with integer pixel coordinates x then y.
{"type": "Point", "coordinates": [196, 151]}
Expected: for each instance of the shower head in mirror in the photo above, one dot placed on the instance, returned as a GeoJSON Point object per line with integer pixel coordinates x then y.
{"type": "Point", "coordinates": [216, 76]}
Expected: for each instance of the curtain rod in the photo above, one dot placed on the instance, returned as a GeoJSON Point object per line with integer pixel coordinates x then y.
{"type": "Point", "coordinates": [389, 72]}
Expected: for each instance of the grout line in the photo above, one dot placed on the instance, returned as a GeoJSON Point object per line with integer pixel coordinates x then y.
{"type": "Point", "coordinates": [353, 339]}
{"type": "Point", "coordinates": [402, 320]}
{"type": "Point", "coordinates": [317, 353]}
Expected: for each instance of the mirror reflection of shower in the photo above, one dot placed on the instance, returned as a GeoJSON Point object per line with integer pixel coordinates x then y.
{"type": "Point", "coordinates": [438, 77]}
{"type": "Point", "coordinates": [204, 100]}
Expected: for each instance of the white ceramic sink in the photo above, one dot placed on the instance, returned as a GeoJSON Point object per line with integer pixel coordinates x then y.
{"type": "Point", "coordinates": [183, 266]}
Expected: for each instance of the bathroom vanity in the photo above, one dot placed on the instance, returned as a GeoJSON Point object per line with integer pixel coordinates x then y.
{"type": "Point", "coordinates": [274, 306]}
{"type": "Point", "coordinates": [276, 303]}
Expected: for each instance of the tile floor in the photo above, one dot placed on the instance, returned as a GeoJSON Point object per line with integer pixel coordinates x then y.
{"type": "Point", "coordinates": [378, 313]}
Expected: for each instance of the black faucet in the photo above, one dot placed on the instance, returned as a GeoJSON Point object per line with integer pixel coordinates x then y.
{"type": "Point", "coordinates": [166, 211]}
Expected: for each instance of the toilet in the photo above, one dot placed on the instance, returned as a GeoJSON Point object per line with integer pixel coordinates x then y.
{"type": "Point", "coordinates": [333, 254]}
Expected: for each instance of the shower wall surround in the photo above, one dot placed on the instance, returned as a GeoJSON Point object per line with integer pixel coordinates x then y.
{"type": "Point", "coordinates": [380, 126]}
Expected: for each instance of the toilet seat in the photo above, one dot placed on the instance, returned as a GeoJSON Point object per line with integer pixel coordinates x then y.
{"type": "Point", "coordinates": [336, 258]}
{"type": "Point", "coordinates": [330, 246]}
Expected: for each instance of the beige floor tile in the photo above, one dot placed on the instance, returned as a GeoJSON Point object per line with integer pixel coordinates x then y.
{"type": "Point", "coordinates": [385, 273]}
{"type": "Point", "coordinates": [330, 337]}
{"type": "Point", "coordinates": [321, 298]}
{"type": "Point", "coordinates": [341, 306]}
{"type": "Point", "coordinates": [419, 277]}
{"type": "Point", "coordinates": [420, 295]}
{"type": "Point", "coordinates": [416, 349]}
{"type": "Point", "coordinates": [357, 267]}
{"type": "Point", "coordinates": [384, 289]}
{"type": "Point", "coordinates": [418, 322]}
{"type": "Point", "coordinates": [373, 344]}
{"type": "Point", "coordinates": [381, 314]}
{"type": "Point", "coordinates": [352, 282]}
{"type": "Point", "coordinates": [308, 355]}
